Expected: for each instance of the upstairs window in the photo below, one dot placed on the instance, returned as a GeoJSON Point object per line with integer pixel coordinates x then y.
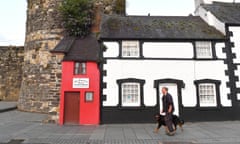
{"type": "Point", "coordinates": [204, 50]}
{"type": "Point", "coordinates": [130, 49]}
{"type": "Point", "coordinates": [80, 68]}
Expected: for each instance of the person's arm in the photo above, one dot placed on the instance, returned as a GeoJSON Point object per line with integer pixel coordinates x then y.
{"type": "Point", "coordinates": [170, 108]}
{"type": "Point", "coordinates": [170, 100]}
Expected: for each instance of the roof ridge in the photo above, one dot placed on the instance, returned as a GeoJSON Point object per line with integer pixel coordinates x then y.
{"type": "Point", "coordinates": [225, 3]}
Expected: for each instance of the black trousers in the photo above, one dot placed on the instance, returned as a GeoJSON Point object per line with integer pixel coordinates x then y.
{"type": "Point", "coordinates": [168, 121]}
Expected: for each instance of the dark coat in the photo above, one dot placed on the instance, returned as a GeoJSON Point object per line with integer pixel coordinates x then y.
{"type": "Point", "coordinates": [167, 100]}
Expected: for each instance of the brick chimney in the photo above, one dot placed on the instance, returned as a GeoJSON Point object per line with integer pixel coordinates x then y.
{"type": "Point", "coordinates": [98, 8]}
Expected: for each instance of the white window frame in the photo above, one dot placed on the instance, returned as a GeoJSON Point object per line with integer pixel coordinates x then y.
{"type": "Point", "coordinates": [205, 93]}
{"type": "Point", "coordinates": [80, 68]}
{"type": "Point", "coordinates": [127, 101]}
{"type": "Point", "coordinates": [204, 50]}
{"type": "Point", "coordinates": [130, 49]}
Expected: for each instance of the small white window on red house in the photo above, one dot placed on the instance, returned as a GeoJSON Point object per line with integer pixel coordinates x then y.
{"type": "Point", "coordinates": [89, 96]}
{"type": "Point", "coordinates": [204, 50]}
{"type": "Point", "coordinates": [130, 94]}
{"type": "Point", "coordinates": [130, 49]}
{"type": "Point", "coordinates": [80, 68]}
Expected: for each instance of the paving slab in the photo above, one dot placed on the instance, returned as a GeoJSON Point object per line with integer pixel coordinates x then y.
{"type": "Point", "coordinates": [98, 134]}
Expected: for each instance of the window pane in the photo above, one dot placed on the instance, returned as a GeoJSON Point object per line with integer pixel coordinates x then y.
{"type": "Point", "coordinates": [131, 94]}
{"type": "Point", "coordinates": [204, 50]}
{"type": "Point", "coordinates": [83, 68]}
{"type": "Point", "coordinates": [80, 68]}
{"type": "Point", "coordinates": [207, 95]}
{"type": "Point", "coordinates": [76, 68]}
{"type": "Point", "coordinates": [88, 96]}
{"type": "Point", "coordinates": [130, 48]}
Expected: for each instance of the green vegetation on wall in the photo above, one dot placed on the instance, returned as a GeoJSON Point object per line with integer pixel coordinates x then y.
{"type": "Point", "coordinates": [77, 16]}
{"type": "Point", "coordinates": [120, 7]}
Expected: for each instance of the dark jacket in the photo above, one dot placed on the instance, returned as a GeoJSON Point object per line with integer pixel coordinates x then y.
{"type": "Point", "coordinates": [167, 100]}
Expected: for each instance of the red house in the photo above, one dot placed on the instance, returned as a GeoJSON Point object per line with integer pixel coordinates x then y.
{"type": "Point", "coordinates": [80, 87]}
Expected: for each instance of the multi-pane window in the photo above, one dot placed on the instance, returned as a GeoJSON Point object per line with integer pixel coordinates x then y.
{"type": "Point", "coordinates": [80, 68]}
{"type": "Point", "coordinates": [207, 94]}
{"type": "Point", "coordinates": [130, 94]}
{"type": "Point", "coordinates": [130, 49]}
{"type": "Point", "coordinates": [204, 50]}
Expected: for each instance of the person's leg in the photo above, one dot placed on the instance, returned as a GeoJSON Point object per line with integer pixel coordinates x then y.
{"type": "Point", "coordinates": [169, 124]}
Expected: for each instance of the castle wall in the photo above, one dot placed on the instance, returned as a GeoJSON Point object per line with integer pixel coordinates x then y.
{"type": "Point", "coordinates": [11, 61]}
{"type": "Point", "coordinates": [40, 89]}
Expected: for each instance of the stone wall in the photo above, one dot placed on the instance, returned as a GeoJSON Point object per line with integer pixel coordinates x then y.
{"type": "Point", "coordinates": [40, 89]}
{"type": "Point", "coordinates": [11, 61]}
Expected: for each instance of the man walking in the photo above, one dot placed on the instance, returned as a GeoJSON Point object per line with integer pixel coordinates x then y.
{"type": "Point", "coordinates": [168, 109]}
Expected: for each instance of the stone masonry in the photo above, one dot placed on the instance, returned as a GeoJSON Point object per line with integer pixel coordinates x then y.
{"type": "Point", "coordinates": [41, 81]}
{"type": "Point", "coordinates": [11, 61]}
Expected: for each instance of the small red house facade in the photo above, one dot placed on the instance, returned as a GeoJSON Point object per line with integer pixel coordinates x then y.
{"type": "Point", "coordinates": [79, 93]}
{"type": "Point", "coordinates": [80, 86]}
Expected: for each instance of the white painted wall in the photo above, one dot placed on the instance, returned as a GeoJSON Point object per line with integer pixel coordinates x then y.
{"type": "Point", "coordinates": [168, 50]}
{"type": "Point", "coordinates": [236, 39]}
{"type": "Point", "coordinates": [219, 50]}
{"type": "Point", "coordinates": [150, 70]}
{"type": "Point", "coordinates": [112, 49]}
{"type": "Point", "coordinates": [236, 49]}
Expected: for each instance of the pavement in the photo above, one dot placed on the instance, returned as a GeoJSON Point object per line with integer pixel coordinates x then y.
{"type": "Point", "coordinates": [28, 128]}
{"type": "Point", "coordinates": [7, 106]}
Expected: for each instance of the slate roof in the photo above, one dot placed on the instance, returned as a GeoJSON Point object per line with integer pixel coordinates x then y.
{"type": "Point", "coordinates": [156, 27]}
{"type": "Point", "coordinates": [79, 49]}
{"type": "Point", "coordinates": [225, 12]}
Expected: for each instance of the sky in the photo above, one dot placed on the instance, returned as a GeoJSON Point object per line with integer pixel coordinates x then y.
{"type": "Point", "coordinates": [13, 15]}
{"type": "Point", "coordinates": [12, 25]}
{"type": "Point", "coordinates": [160, 7]}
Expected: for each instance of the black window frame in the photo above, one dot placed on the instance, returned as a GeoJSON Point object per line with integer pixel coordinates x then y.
{"type": "Point", "coordinates": [131, 80]}
{"type": "Point", "coordinates": [213, 48]}
{"type": "Point", "coordinates": [217, 84]}
{"type": "Point", "coordinates": [130, 57]}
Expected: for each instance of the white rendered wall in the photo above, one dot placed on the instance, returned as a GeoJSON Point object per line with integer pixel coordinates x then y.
{"type": "Point", "coordinates": [150, 70]}
{"type": "Point", "coordinates": [236, 49]}
{"type": "Point", "coordinates": [112, 49]}
{"type": "Point", "coordinates": [168, 50]}
{"type": "Point", "coordinates": [219, 51]}
{"type": "Point", "coordinates": [236, 40]}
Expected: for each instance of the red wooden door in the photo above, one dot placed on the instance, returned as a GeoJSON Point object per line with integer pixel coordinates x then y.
{"type": "Point", "coordinates": [71, 107]}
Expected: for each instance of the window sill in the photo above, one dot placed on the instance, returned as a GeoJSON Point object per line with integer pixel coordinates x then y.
{"type": "Point", "coordinates": [143, 107]}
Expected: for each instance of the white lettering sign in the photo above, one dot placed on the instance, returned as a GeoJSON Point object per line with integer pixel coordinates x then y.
{"type": "Point", "coordinates": [80, 82]}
